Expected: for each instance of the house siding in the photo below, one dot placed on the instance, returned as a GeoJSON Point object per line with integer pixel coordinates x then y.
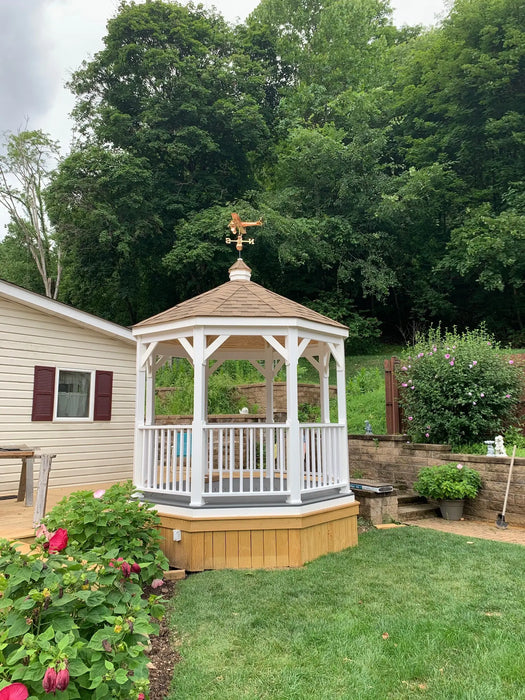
{"type": "Point", "coordinates": [86, 452]}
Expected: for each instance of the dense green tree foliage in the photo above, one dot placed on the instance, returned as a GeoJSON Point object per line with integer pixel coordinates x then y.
{"type": "Point", "coordinates": [386, 163]}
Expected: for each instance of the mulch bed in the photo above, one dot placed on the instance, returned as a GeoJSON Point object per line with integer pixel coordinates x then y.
{"type": "Point", "coordinates": [162, 655]}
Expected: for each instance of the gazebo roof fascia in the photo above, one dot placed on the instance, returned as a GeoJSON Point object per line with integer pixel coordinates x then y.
{"type": "Point", "coordinates": [256, 326]}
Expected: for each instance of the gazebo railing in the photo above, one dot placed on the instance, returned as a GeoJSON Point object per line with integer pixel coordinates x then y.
{"type": "Point", "coordinates": [244, 459]}
{"type": "Point", "coordinates": [166, 458]}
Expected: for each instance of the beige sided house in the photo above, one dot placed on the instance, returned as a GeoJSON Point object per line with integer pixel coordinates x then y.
{"type": "Point", "coordinates": [67, 387]}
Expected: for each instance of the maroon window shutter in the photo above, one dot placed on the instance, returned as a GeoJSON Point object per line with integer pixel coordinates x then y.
{"type": "Point", "coordinates": [43, 393]}
{"type": "Point", "coordinates": [103, 391]}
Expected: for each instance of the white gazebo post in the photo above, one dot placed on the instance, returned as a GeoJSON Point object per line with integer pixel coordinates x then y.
{"type": "Point", "coordinates": [338, 351]}
{"type": "Point", "coordinates": [138, 475]}
{"type": "Point", "coordinates": [199, 417]}
{"type": "Point", "coordinates": [294, 452]}
{"type": "Point", "coordinates": [324, 374]}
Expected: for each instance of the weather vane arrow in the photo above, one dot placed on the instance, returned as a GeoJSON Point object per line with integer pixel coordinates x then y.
{"type": "Point", "coordinates": [238, 229]}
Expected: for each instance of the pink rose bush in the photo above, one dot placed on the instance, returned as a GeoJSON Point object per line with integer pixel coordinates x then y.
{"type": "Point", "coordinates": [79, 622]}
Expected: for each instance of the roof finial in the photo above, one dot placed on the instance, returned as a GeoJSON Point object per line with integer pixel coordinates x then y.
{"type": "Point", "coordinates": [238, 229]}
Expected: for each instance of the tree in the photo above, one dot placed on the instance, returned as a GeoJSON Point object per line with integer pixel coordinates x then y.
{"type": "Point", "coordinates": [25, 168]}
{"type": "Point", "coordinates": [461, 95]}
{"type": "Point", "coordinates": [169, 121]}
{"type": "Point", "coordinates": [103, 204]}
{"type": "Point", "coordinates": [489, 250]}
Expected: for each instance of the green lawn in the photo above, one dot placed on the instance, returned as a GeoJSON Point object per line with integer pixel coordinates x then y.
{"type": "Point", "coordinates": [408, 613]}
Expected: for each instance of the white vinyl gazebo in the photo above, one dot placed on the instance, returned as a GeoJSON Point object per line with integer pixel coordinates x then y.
{"type": "Point", "coordinates": [233, 472]}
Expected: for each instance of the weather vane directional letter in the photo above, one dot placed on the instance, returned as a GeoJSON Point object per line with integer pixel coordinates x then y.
{"type": "Point", "coordinates": [238, 229]}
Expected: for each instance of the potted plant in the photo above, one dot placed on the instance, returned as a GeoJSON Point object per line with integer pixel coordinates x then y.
{"type": "Point", "coordinates": [449, 484]}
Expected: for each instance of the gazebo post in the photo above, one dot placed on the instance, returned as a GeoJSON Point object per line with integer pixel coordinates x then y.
{"type": "Point", "coordinates": [324, 372]}
{"type": "Point", "coordinates": [268, 378]}
{"type": "Point", "coordinates": [199, 417]}
{"type": "Point", "coordinates": [294, 452]}
{"type": "Point", "coordinates": [341, 409]}
{"type": "Point", "coordinates": [150, 391]}
{"type": "Point", "coordinates": [138, 467]}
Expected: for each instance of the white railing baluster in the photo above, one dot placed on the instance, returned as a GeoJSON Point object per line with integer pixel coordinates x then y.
{"type": "Point", "coordinates": [241, 460]}
{"type": "Point", "coordinates": [210, 460]}
{"type": "Point", "coordinates": [220, 460]}
{"type": "Point", "coordinates": [232, 456]}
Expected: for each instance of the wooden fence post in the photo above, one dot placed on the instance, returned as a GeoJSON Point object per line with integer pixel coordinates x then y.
{"type": "Point", "coordinates": [41, 494]}
{"type": "Point", "coordinates": [393, 410]}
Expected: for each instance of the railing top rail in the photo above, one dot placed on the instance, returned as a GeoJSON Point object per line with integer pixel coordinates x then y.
{"type": "Point", "coordinates": [185, 426]}
{"type": "Point", "coordinates": [322, 425]}
{"type": "Point", "coordinates": [244, 426]}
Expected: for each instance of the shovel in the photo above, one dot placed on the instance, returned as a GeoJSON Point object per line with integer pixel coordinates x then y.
{"type": "Point", "coordinates": [500, 522]}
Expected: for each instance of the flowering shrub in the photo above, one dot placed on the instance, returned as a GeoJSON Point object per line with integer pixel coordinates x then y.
{"type": "Point", "coordinates": [72, 624]}
{"type": "Point", "coordinates": [458, 387]}
{"type": "Point", "coordinates": [114, 520]}
{"type": "Point", "coordinates": [448, 482]}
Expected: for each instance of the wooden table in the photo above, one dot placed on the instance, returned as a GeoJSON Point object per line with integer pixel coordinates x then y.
{"type": "Point", "coordinates": [25, 485]}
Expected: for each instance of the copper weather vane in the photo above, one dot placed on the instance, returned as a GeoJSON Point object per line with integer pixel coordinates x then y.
{"type": "Point", "coordinates": [238, 229]}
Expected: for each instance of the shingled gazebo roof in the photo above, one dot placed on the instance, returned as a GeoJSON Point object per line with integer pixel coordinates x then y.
{"type": "Point", "coordinates": [238, 298]}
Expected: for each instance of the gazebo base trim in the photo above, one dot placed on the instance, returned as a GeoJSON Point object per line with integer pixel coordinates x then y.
{"type": "Point", "coordinates": [240, 500]}
{"type": "Point", "coordinates": [255, 538]}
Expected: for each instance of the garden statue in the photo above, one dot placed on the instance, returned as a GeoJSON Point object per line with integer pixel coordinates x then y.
{"type": "Point", "coordinates": [368, 428]}
{"type": "Point", "coordinates": [499, 446]}
{"type": "Point", "coordinates": [490, 447]}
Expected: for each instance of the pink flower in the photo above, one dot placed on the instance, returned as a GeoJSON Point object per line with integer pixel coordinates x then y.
{"type": "Point", "coordinates": [15, 691]}
{"type": "Point", "coordinates": [410, 417]}
{"type": "Point", "coordinates": [140, 696]}
{"type": "Point", "coordinates": [157, 583]}
{"type": "Point", "coordinates": [507, 396]}
{"type": "Point", "coordinates": [58, 542]}
{"type": "Point", "coordinates": [405, 369]}
{"type": "Point", "coordinates": [474, 362]}
{"type": "Point", "coordinates": [404, 384]}
{"type": "Point", "coordinates": [434, 349]}
{"type": "Point", "coordinates": [482, 395]}
{"type": "Point", "coordinates": [474, 403]}
{"type": "Point", "coordinates": [62, 679]}
{"type": "Point", "coordinates": [451, 363]}
{"type": "Point", "coordinates": [511, 362]}
{"type": "Point", "coordinates": [412, 387]}
{"type": "Point", "coordinates": [125, 568]}
{"type": "Point", "coordinates": [135, 568]}
{"type": "Point", "coordinates": [447, 355]}
{"type": "Point", "coordinates": [421, 354]}
{"type": "Point", "coordinates": [99, 493]}
{"type": "Point", "coordinates": [42, 531]}
{"type": "Point", "coordinates": [459, 466]}
{"type": "Point", "coordinates": [427, 434]}
{"type": "Point", "coordinates": [49, 682]}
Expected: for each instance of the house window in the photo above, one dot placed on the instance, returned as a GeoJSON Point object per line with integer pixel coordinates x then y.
{"type": "Point", "coordinates": [74, 393]}
{"type": "Point", "coordinates": [71, 394]}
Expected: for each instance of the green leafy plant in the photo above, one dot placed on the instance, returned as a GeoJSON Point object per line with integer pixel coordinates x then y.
{"type": "Point", "coordinates": [74, 622]}
{"type": "Point", "coordinates": [458, 387]}
{"type": "Point", "coordinates": [449, 481]}
{"type": "Point", "coordinates": [114, 520]}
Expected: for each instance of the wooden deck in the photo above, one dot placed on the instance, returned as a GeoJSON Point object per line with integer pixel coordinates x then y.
{"type": "Point", "coordinates": [16, 520]}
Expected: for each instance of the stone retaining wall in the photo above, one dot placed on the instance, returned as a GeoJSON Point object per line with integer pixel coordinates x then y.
{"type": "Point", "coordinates": [390, 458]}
{"type": "Point", "coordinates": [255, 394]}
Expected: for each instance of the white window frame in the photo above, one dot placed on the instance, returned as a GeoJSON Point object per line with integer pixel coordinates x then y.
{"type": "Point", "coordinates": [73, 419]}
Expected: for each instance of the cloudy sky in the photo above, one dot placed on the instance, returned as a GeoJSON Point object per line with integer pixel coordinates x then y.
{"type": "Point", "coordinates": [43, 41]}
